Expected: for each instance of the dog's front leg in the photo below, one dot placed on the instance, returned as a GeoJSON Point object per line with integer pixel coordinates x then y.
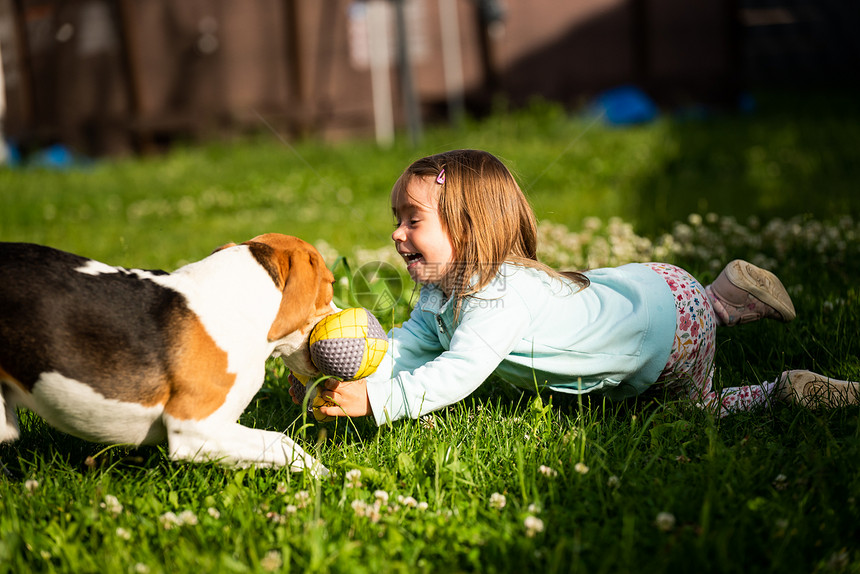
{"type": "Point", "coordinates": [236, 445]}
{"type": "Point", "coordinates": [8, 416]}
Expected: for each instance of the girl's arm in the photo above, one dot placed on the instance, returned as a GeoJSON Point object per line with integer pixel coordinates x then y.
{"type": "Point", "coordinates": [409, 346]}
{"type": "Point", "coordinates": [488, 331]}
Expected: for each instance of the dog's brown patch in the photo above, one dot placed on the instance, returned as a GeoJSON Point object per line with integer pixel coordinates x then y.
{"type": "Point", "coordinates": [153, 394]}
{"type": "Point", "coordinates": [199, 381]}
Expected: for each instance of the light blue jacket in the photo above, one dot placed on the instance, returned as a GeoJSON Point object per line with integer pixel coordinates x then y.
{"type": "Point", "coordinates": [531, 330]}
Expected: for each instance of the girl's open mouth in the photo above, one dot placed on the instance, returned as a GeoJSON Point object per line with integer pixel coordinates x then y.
{"type": "Point", "coordinates": [412, 259]}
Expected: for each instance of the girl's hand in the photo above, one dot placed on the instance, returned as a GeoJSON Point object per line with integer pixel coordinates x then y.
{"type": "Point", "coordinates": [350, 398]}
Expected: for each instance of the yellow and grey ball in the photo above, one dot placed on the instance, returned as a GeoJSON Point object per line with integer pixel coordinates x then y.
{"type": "Point", "coordinates": [349, 344]}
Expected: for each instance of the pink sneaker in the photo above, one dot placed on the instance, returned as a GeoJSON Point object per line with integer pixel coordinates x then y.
{"type": "Point", "coordinates": [812, 390]}
{"type": "Point", "coordinates": [744, 293]}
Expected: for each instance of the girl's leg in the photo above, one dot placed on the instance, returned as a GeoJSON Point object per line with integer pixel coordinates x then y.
{"type": "Point", "coordinates": [734, 399]}
{"type": "Point", "coordinates": [690, 368]}
{"type": "Point", "coordinates": [744, 293]}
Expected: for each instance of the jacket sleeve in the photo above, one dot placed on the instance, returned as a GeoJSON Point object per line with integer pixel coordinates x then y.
{"type": "Point", "coordinates": [409, 346]}
{"type": "Point", "coordinates": [420, 380]}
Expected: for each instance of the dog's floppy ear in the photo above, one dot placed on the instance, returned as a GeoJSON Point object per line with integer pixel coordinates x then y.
{"type": "Point", "coordinates": [299, 271]}
{"type": "Point", "coordinates": [304, 291]}
{"type": "Point", "coordinates": [300, 284]}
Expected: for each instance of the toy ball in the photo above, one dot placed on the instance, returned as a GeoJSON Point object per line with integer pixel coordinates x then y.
{"type": "Point", "coordinates": [349, 344]}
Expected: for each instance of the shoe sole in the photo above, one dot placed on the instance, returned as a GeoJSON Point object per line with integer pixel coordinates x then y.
{"type": "Point", "coordinates": [762, 285]}
{"type": "Point", "coordinates": [812, 390]}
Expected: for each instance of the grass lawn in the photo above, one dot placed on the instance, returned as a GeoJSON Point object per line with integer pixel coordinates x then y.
{"type": "Point", "coordinates": [503, 481]}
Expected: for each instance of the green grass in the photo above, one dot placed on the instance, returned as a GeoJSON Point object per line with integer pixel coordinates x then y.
{"type": "Point", "coordinates": [790, 158]}
{"type": "Point", "coordinates": [774, 490]}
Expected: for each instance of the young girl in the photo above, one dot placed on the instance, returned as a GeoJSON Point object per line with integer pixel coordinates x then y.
{"type": "Point", "coordinates": [487, 306]}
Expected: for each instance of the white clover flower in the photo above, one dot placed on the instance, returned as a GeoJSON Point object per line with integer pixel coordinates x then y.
{"type": "Point", "coordinates": [613, 482]}
{"type": "Point", "coordinates": [533, 525]}
{"type": "Point", "coordinates": [111, 504]}
{"type": "Point", "coordinates": [409, 501]}
{"type": "Point", "coordinates": [291, 509]}
{"type": "Point", "coordinates": [213, 512]}
{"type": "Point", "coordinates": [141, 568]}
{"type": "Point", "coordinates": [374, 512]}
{"type": "Point", "coordinates": [665, 521]}
{"type": "Point", "coordinates": [169, 520]}
{"type": "Point", "coordinates": [381, 496]}
{"type": "Point", "coordinates": [423, 506]}
{"type": "Point", "coordinates": [547, 471]}
{"type": "Point", "coordinates": [31, 485]}
{"type": "Point", "coordinates": [353, 478]}
{"type": "Point", "coordinates": [303, 498]}
{"type": "Point", "coordinates": [272, 561]}
{"type": "Point", "coordinates": [276, 517]}
{"type": "Point", "coordinates": [592, 223]}
{"type": "Point", "coordinates": [534, 509]}
{"type": "Point", "coordinates": [123, 533]}
{"type": "Point", "coordinates": [281, 488]}
{"type": "Point", "coordinates": [780, 482]}
{"type": "Point", "coordinates": [187, 517]}
{"type": "Point", "coordinates": [359, 507]}
{"type": "Point", "coordinates": [498, 501]}
{"type": "Point", "coordinates": [581, 468]}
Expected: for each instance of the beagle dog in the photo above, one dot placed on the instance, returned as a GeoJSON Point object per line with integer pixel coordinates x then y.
{"type": "Point", "coordinates": [129, 356]}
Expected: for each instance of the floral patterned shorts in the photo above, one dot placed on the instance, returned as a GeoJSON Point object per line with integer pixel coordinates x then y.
{"type": "Point", "coordinates": [690, 367]}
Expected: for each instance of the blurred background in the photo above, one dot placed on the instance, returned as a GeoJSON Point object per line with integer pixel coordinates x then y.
{"type": "Point", "coordinates": [121, 77]}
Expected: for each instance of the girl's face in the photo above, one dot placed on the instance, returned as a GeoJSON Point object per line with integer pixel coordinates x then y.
{"type": "Point", "coordinates": [420, 238]}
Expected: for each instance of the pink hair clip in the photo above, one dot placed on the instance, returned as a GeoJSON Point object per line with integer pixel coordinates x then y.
{"type": "Point", "coordinates": [440, 179]}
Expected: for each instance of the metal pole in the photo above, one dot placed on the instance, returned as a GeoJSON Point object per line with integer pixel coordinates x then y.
{"type": "Point", "coordinates": [410, 101]}
{"type": "Point", "coordinates": [452, 60]}
{"type": "Point", "coordinates": [380, 72]}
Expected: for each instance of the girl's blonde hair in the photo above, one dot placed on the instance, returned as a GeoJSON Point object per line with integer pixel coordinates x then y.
{"type": "Point", "coordinates": [486, 215]}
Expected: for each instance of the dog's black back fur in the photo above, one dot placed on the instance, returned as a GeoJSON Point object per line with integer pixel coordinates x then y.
{"type": "Point", "coordinates": [50, 309]}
